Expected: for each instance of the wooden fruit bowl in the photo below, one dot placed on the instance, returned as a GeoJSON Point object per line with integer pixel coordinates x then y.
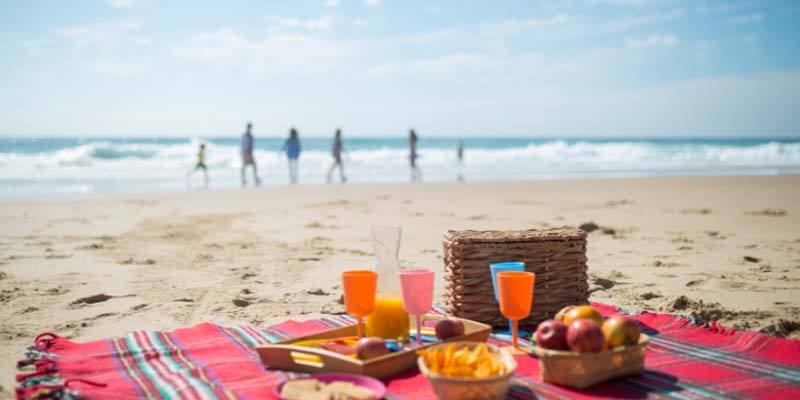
{"type": "Point", "coordinates": [285, 356]}
{"type": "Point", "coordinates": [581, 370]}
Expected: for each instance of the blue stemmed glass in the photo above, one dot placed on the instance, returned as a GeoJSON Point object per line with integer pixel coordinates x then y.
{"type": "Point", "coordinates": [504, 267]}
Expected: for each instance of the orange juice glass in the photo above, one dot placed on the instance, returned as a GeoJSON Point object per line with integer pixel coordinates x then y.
{"type": "Point", "coordinates": [359, 294]}
{"type": "Point", "coordinates": [515, 291]}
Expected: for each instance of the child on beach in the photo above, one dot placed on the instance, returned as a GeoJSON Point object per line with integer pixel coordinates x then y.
{"type": "Point", "coordinates": [201, 156]}
{"type": "Point", "coordinates": [336, 152]}
{"type": "Point", "coordinates": [292, 148]}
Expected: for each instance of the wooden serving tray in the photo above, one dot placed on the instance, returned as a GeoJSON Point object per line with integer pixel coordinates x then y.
{"type": "Point", "coordinates": [283, 355]}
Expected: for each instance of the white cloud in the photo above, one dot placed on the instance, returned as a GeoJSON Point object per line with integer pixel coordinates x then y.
{"type": "Point", "coordinates": [628, 23]}
{"type": "Point", "coordinates": [496, 33]}
{"type": "Point", "coordinates": [332, 3]}
{"type": "Point", "coordinates": [746, 19]}
{"type": "Point", "coordinates": [360, 22]}
{"type": "Point", "coordinates": [278, 23]}
{"type": "Point", "coordinates": [115, 68]}
{"type": "Point", "coordinates": [664, 41]}
{"type": "Point", "coordinates": [111, 33]}
{"type": "Point", "coordinates": [372, 3]}
{"type": "Point", "coordinates": [73, 32]}
{"type": "Point", "coordinates": [724, 105]}
{"type": "Point", "coordinates": [324, 22]}
{"type": "Point", "coordinates": [276, 52]}
{"type": "Point", "coordinates": [725, 7]}
{"type": "Point", "coordinates": [122, 3]}
{"type": "Point", "coordinates": [497, 67]}
{"type": "Point", "coordinates": [512, 25]}
{"type": "Point", "coordinates": [446, 63]}
{"type": "Point", "coordinates": [213, 46]}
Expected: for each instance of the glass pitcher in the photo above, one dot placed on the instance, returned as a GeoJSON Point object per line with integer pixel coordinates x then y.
{"type": "Point", "coordinates": [388, 320]}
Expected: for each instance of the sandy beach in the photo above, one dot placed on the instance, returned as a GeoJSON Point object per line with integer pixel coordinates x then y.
{"type": "Point", "coordinates": [95, 267]}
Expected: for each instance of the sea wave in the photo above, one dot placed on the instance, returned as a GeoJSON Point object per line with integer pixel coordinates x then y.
{"type": "Point", "coordinates": [140, 162]}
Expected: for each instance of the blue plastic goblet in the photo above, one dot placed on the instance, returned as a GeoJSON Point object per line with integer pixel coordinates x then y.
{"type": "Point", "coordinates": [503, 267]}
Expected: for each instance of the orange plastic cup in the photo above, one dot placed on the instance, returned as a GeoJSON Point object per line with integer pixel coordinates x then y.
{"type": "Point", "coordinates": [359, 294]}
{"type": "Point", "coordinates": [515, 292]}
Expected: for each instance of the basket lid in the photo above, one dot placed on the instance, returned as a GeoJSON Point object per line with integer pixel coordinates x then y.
{"type": "Point", "coordinates": [561, 234]}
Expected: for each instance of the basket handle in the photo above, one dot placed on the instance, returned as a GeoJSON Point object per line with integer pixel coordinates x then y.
{"type": "Point", "coordinates": [307, 359]}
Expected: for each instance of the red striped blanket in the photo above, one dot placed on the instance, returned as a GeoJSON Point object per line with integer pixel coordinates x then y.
{"type": "Point", "coordinates": [683, 361]}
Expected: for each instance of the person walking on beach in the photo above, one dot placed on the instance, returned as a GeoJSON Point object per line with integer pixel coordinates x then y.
{"type": "Point", "coordinates": [416, 174]}
{"type": "Point", "coordinates": [247, 155]}
{"type": "Point", "coordinates": [201, 157]}
{"type": "Point", "coordinates": [336, 152]}
{"type": "Point", "coordinates": [460, 160]}
{"type": "Point", "coordinates": [292, 148]}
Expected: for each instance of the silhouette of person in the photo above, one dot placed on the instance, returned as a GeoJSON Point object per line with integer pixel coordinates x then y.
{"type": "Point", "coordinates": [201, 157]}
{"type": "Point", "coordinates": [416, 173]}
{"type": "Point", "coordinates": [336, 152]}
{"type": "Point", "coordinates": [292, 148]}
{"type": "Point", "coordinates": [460, 160]}
{"type": "Point", "coordinates": [247, 155]}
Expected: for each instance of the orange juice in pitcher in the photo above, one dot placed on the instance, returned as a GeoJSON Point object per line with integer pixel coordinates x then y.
{"type": "Point", "coordinates": [389, 319]}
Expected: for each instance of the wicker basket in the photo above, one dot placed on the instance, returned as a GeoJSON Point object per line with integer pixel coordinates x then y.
{"type": "Point", "coordinates": [557, 256]}
{"type": "Point", "coordinates": [581, 370]}
{"type": "Point", "coordinates": [491, 388]}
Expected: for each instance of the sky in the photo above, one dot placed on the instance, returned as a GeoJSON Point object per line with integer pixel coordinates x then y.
{"type": "Point", "coordinates": [569, 68]}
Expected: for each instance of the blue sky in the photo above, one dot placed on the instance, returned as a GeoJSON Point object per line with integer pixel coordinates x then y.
{"type": "Point", "coordinates": [632, 68]}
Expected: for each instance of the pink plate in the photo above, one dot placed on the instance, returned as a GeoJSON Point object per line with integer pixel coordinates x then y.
{"type": "Point", "coordinates": [359, 380]}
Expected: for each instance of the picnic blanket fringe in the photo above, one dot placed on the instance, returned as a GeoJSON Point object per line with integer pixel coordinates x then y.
{"type": "Point", "coordinates": [45, 381]}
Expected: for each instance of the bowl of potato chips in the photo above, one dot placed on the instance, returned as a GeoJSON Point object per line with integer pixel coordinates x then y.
{"type": "Point", "coordinates": [467, 370]}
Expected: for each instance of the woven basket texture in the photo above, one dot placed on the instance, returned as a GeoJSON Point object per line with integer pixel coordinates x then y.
{"type": "Point", "coordinates": [582, 370]}
{"type": "Point", "coordinates": [557, 256]}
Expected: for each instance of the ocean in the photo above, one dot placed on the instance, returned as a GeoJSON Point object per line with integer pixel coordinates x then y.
{"type": "Point", "coordinates": [37, 167]}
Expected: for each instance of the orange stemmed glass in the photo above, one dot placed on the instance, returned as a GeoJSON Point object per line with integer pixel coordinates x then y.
{"type": "Point", "coordinates": [515, 290]}
{"type": "Point", "coordinates": [359, 294]}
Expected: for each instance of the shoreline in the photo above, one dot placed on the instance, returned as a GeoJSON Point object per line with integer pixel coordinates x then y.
{"type": "Point", "coordinates": [729, 244]}
{"type": "Point", "coordinates": [120, 195]}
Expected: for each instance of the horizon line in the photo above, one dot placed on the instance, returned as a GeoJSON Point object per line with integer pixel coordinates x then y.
{"type": "Point", "coordinates": [423, 136]}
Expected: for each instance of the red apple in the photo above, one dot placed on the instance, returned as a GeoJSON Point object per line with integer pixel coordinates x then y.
{"type": "Point", "coordinates": [552, 335]}
{"type": "Point", "coordinates": [448, 328]}
{"type": "Point", "coordinates": [585, 334]}
{"type": "Point", "coordinates": [371, 347]}
{"type": "Point", "coordinates": [620, 331]}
